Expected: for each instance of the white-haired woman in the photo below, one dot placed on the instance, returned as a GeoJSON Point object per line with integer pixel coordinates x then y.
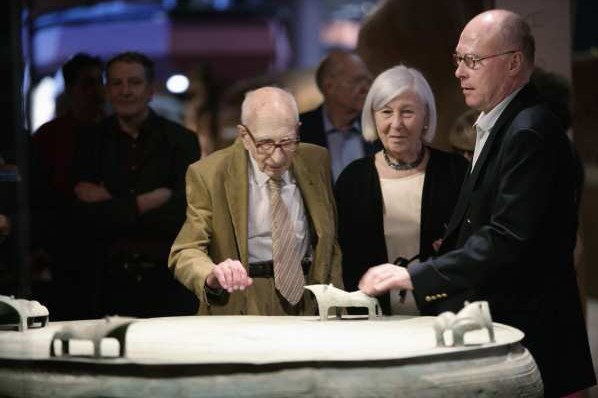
{"type": "Point", "coordinates": [396, 203]}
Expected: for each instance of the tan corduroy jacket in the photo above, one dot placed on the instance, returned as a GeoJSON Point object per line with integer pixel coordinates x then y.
{"type": "Point", "coordinates": [216, 229]}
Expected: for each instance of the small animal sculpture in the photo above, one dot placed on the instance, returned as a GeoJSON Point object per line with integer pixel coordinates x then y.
{"type": "Point", "coordinates": [329, 296]}
{"type": "Point", "coordinates": [473, 316]}
{"type": "Point", "coordinates": [114, 326]}
{"type": "Point", "coordinates": [21, 314]}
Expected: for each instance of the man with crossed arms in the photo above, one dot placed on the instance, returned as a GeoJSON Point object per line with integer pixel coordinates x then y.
{"type": "Point", "coordinates": [261, 219]}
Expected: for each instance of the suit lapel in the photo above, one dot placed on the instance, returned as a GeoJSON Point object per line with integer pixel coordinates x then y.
{"type": "Point", "coordinates": [471, 178]}
{"type": "Point", "coordinates": [311, 199]}
{"type": "Point", "coordinates": [237, 191]}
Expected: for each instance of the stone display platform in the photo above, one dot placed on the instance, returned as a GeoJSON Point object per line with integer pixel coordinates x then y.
{"type": "Point", "coordinates": [254, 356]}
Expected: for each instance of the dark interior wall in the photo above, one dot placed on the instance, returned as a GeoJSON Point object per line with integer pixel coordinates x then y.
{"type": "Point", "coordinates": [585, 128]}
{"type": "Point", "coordinates": [15, 151]}
{"type": "Point", "coordinates": [7, 65]}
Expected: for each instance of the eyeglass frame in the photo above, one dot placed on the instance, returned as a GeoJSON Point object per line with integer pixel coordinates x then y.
{"type": "Point", "coordinates": [457, 59]}
{"type": "Point", "coordinates": [259, 145]}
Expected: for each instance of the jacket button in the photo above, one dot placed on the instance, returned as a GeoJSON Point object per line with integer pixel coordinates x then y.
{"type": "Point", "coordinates": [428, 298]}
{"type": "Point", "coordinates": [468, 221]}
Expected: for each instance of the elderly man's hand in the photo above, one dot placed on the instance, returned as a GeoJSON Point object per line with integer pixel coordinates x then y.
{"type": "Point", "coordinates": [91, 193]}
{"type": "Point", "coordinates": [381, 278]}
{"type": "Point", "coordinates": [229, 275]}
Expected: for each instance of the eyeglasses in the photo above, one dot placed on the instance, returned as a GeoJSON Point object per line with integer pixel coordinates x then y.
{"type": "Point", "coordinates": [471, 61]}
{"type": "Point", "coordinates": [267, 147]}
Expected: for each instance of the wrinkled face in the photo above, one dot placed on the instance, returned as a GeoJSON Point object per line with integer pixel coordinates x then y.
{"type": "Point", "coordinates": [485, 86]}
{"type": "Point", "coordinates": [349, 86]}
{"type": "Point", "coordinates": [128, 89]}
{"type": "Point", "coordinates": [87, 92]}
{"type": "Point", "coordinates": [400, 124]}
{"type": "Point", "coordinates": [265, 130]}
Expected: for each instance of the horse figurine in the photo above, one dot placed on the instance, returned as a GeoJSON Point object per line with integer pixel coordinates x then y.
{"type": "Point", "coordinates": [473, 316]}
{"type": "Point", "coordinates": [329, 296]}
{"type": "Point", "coordinates": [110, 326]}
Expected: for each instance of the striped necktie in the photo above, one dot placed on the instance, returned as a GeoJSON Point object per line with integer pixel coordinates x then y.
{"type": "Point", "coordinates": [288, 274]}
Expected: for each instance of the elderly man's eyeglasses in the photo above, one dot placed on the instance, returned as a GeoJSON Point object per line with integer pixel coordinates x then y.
{"type": "Point", "coordinates": [267, 147]}
{"type": "Point", "coordinates": [472, 62]}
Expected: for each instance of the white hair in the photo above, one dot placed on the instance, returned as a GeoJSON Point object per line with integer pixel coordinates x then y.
{"type": "Point", "coordinates": [390, 84]}
{"type": "Point", "coordinates": [254, 101]}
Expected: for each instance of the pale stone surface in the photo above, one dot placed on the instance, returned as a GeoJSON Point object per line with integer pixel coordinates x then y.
{"type": "Point", "coordinates": [272, 356]}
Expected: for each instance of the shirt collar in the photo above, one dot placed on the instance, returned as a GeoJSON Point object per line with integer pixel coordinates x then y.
{"type": "Point", "coordinates": [260, 178]}
{"type": "Point", "coordinates": [329, 127]}
{"type": "Point", "coordinates": [486, 121]}
{"type": "Point", "coordinates": [146, 128]}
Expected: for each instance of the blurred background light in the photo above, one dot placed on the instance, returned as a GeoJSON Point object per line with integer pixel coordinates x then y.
{"type": "Point", "coordinates": [177, 84]}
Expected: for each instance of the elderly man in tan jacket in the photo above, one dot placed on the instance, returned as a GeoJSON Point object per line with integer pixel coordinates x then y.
{"type": "Point", "coordinates": [261, 219]}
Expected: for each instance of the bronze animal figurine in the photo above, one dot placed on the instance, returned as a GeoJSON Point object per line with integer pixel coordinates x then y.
{"type": "Point", "coordinates": [114, 326]}
{"type": "Point", "coordinates": [329, 296]}
{"type": "Point", "coordinates": [473, 316]}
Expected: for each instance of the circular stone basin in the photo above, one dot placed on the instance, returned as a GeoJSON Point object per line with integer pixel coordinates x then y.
{"type": "Point", "coordinates": [255, 356]}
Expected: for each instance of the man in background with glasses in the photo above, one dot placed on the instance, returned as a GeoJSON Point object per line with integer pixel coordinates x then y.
{"type": "Point", "coordinates": [510, 240]}
{"type": "Point", "coordinates": [344, 80]}
{"type": "Point", "coordinates": [261, 219]}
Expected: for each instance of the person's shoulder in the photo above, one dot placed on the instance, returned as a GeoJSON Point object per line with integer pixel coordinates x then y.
{"type": "Point", "coordinates": [174, 127]}
{"type": "Point", "coordinates": [216, 161]}
{"type": "Point", "coordinates": [528, 112]}
{"type": "Point", "coordinates": [356, 170]}
{"type": "Point", "coordinates": [442, 159]}
{"type": "Point", "coordinates": [309, 150]}
{"type": "Point", "coordinates": [446, 156]}
{"type": "Point", "coordinates": [53, 127]}
{"type": "Point", "coordinates": [311, 114]}
{"type": "Point", "coordinates": [311, 123]}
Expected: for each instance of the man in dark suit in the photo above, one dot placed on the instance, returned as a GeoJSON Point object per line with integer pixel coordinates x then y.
{"type": "Point", "coordinates": [344, 81]}
{"type": "Point", "coordinates": [510, 240]}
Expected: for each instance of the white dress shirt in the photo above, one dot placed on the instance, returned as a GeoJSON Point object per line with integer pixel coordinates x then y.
{"type": "Point", "coordinates": [260, 218]}
{"type": "Point", "coordinates": [485, 122]}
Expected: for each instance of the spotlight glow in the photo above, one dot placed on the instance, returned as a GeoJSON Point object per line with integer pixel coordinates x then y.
{"type": "Point", "coordinates": [177, 84]}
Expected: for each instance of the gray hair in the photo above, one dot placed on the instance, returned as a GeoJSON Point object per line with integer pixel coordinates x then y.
{"type": "Point", "coordinates": [275, 95]}
{"type": "Point", "coordinates": [390, 84]}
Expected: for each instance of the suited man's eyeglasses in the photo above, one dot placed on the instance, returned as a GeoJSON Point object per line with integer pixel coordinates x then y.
{"type": "Point", "coordinates": [472, 61]}
{"type": "Point", "coordinates": [267, 147]}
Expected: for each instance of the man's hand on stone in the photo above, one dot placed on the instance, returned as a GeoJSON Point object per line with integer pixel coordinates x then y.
{"type": "Point", "coordinates": [229, 275]}
{"type": "Point", "coordinates": [382, 278]}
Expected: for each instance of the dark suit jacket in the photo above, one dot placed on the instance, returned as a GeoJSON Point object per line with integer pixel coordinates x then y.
{"type": "Point", "coordinates": [360, 210]}
{"type": "Point", "coordinates": [312, 131]}
{"type": "Point", "coordinates": [511, 240]}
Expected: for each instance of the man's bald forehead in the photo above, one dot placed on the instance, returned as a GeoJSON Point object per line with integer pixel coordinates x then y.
{"type": "Point", "coordinates": [266, 101]}
{"type": "Point", "coordinates": [509, 30]}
